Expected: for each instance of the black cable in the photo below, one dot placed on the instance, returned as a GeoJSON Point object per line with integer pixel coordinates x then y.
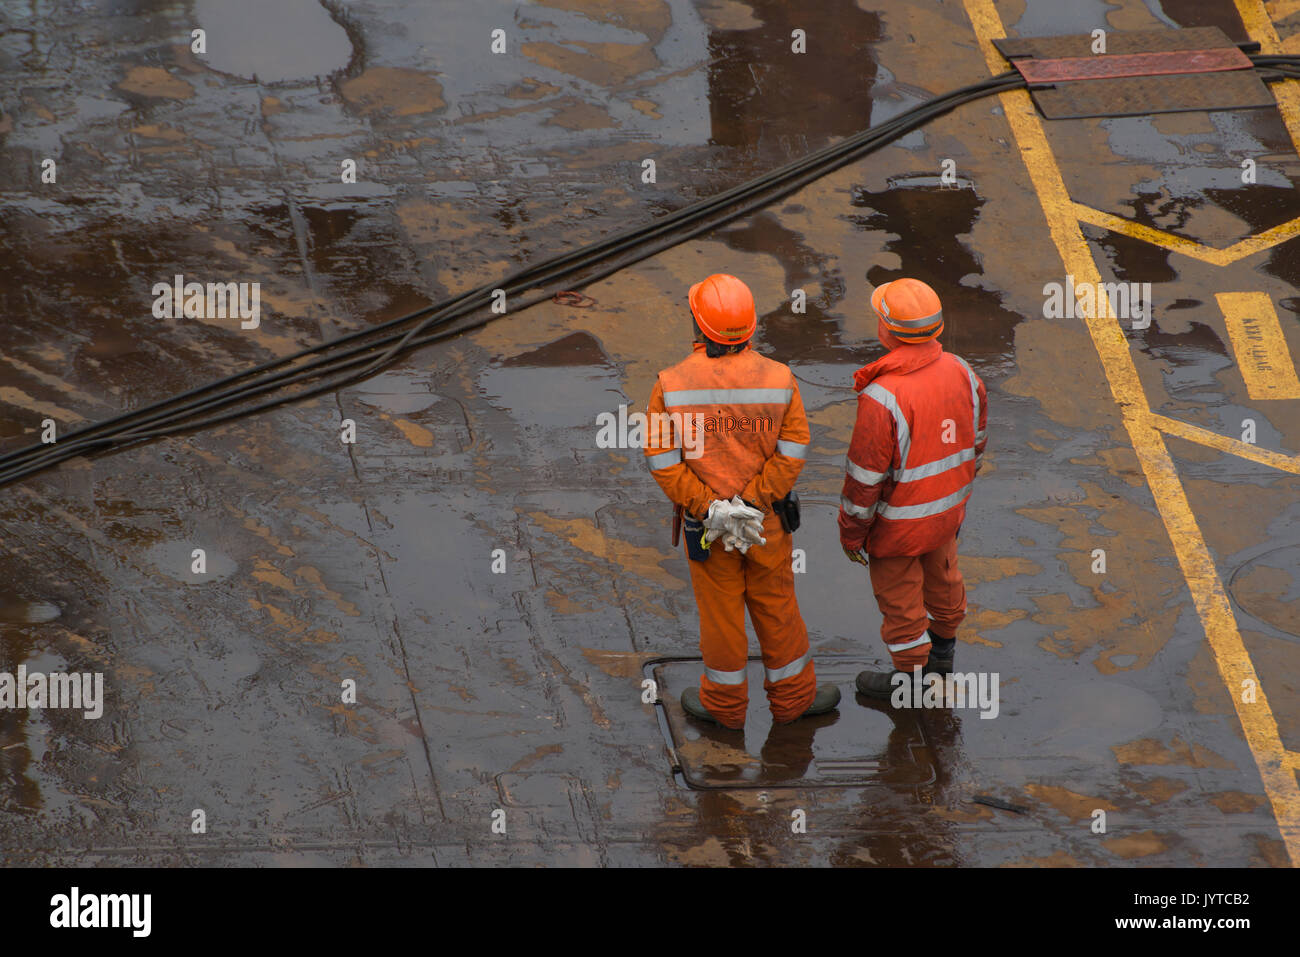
{"type": "Point", "coordinates": [38, 457]}
{"type": "Point", "coordinates": [817, 163]}
{"type": "Point", "coordinates": [785, 179]}
{"type": "Point", "coordinates": [130, 428]}
{"type": "Point", "coordinates": [70, 449]}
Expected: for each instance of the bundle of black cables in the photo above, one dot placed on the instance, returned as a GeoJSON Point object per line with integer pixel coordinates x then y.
{"type": "Point", "coordinates": [353, 357]}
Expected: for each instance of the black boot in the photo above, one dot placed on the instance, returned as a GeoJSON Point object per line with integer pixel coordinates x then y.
{"type": "Point", "coordinates": [876, 684]}
{"type": "Point", "coordinates": [693, 706]}
{"type": "Point", "coordinates": [883, 684]}
{"type": "Point", "coordinates": [826, 700]}
{"type": "Point", "coordinates": [942, 652]}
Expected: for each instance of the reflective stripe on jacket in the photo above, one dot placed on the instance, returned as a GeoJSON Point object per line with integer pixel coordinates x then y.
{"type": "Point", "coordinates": [724, 426]}
{"type": "Point", "coordinates": [917, 445]}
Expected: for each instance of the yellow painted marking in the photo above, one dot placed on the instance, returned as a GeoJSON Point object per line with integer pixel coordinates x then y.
{"type": "Point", "coordinates": [1287, 92]}
{"type": "Point", "coordinates": [1243, 450]}
{"type": "Point", "coordinates": [1208, 595]}
{"type": "Point", "coordinates": [1259, 345]}
{"type": "Point", "coordinates": [1190, 247]}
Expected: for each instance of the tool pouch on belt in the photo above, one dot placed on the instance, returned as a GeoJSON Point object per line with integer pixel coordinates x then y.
{"type": "Point", "coordinates": [693, 528]}
{"type": "Point", "coordinates": [787, 509]}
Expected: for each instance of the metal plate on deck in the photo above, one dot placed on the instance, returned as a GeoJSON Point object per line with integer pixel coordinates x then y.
{"type": "Point", "coordinates": [1139, 96]}
{"type": "Point", "coordinates": [860, 745]}
{"type": "Point", "coordinates": [1065, 62]}
{"type": "Point", "coordinates": [1038, 70]}
{"type": "Point", "coordinates": [1139, 41]}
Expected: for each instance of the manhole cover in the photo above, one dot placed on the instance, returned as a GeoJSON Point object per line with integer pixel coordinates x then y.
{"type": "Point", "coordinates": [858, 745]}
{"type": "Point", "coordinates": [1268, 588]}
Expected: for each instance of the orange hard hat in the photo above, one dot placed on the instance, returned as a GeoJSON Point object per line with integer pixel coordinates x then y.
{"type": "Point", "coordinates": [723, 307]}
{"type": "Point", "coordinates": [909, 309]}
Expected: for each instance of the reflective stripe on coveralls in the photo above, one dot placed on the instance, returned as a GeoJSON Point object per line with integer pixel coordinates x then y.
{"type": "Point", "coordinates": [790, 670]}
{"type": "Point", "coordinates": [925, 509]}
{"type": "Point", "coordinates": [858, 511]}
{"type": "Point", "coordinates": [923, 639]}
{"type": "Point", "coordinates": [727, 397]}
{"type": "Point", "coordinates": [865, 476]}
{"type": "Point", "coordinates": [975, 401]}
{"type": "Point", "coordinates": [726, 677]}
{"type": "Point", "coordinates": [773, 674]}
{"type": "Point", "coordinates": [917, 473]}
{"type": "Point", "coordinates": [904, 431]}
{"type": "Point", "coordinates": [664, 459]}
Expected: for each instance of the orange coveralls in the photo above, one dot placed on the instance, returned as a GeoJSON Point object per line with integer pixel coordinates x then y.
{"type": "Point", "coordinates": [735, 425]}
{"type": "Point", "coordinates": [917, 444]}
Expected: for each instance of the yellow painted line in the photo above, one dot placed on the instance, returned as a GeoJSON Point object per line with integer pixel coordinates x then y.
{"type": "Point", "coordinates": [1260, 347]}
{"type": "Point", "coordinates": [1190, 247]}
{"type": "Point", "coordinates": [1157, 237]}
{"type": "Point", "coordinates": [1208, 595]}
{"type": "Point", "coordinates": [1287, 92]}
{"type": "Point", "coordinates": [1243, 450]}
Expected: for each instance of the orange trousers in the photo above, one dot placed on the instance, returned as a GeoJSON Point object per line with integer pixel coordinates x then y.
{"type": "Point", "coordinates": [915, 592]}
{"type": "Point", "coordinates": [762, 581]}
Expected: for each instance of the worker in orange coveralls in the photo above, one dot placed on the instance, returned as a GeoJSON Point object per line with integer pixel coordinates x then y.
{"type": "Point", "coordinates": [733, 444]}
{"type": "Point", "coordinates": [916, 448]}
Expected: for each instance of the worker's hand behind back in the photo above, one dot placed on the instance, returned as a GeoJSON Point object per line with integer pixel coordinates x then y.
{"type": "Point", "coordinates": [746, 523]}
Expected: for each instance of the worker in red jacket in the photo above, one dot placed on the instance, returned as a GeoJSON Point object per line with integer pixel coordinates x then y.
{"type": "Point", "coordinates": [917, 445]}
{"type": "Point", "coordinates": [734, 444]}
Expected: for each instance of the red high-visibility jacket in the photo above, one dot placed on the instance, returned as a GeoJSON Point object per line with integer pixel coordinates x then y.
{"type": "Point", "coordinates": [731, 425]}
{"type": "Point", "coordinates": [917, 445]}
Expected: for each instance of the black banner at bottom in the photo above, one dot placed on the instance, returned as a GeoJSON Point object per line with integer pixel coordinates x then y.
{"type": "Point", "coordinates": [332, 907]}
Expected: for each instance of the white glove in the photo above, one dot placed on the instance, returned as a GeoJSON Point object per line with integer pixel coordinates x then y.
{"type": "Point", "coordinates": [734, 543]}
{"type": "Point", "coordinates": [715, 522]}
{"type": "Point", "coordinates": [748, 531]}
{"type": "Point", "coordinates": [745, 524]}
{"type": "Point", "coordinates": [719, 512]}
{"type": "Point", "coordinates": [738, 525]}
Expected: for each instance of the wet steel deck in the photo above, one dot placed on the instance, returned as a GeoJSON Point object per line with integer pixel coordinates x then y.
{"type": "Point", "coordinates": [522, 690]}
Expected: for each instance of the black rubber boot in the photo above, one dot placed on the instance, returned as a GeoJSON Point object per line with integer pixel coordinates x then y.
{"type": "Point", "coordinates": [826, 700]}
{"type": "Point", "coordinates": [693, 706]}
{"type": "Point", "coordinates": [942, 652]}
{"type": "Point", "coordinates": [877, 684]}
